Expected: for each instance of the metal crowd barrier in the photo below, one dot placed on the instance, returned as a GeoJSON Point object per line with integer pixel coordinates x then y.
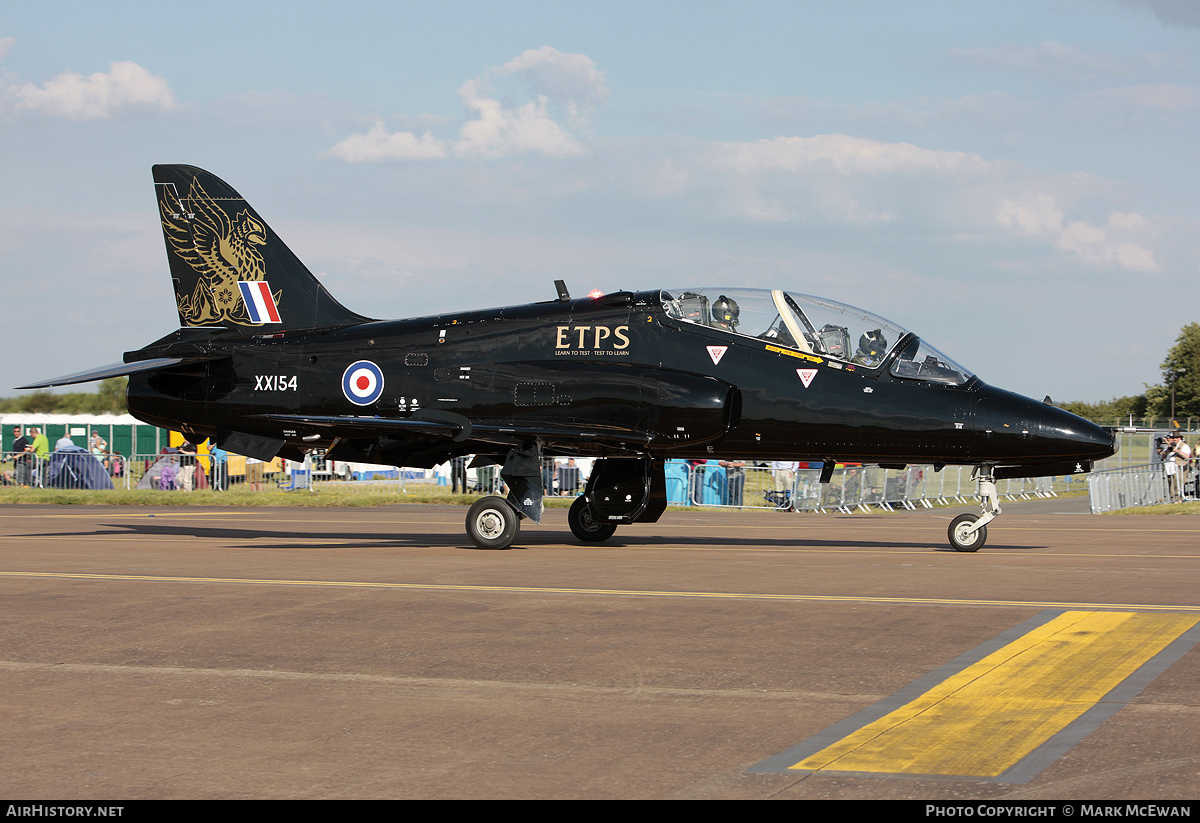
{"type": "Point", "coordinates": [1146, 485]}
{"type": "Point", "coordinates": [172, 471]}
{"type": "Point", "coordinates": [736, 484]}
{"type": "Point", "coordinates": [851, 488]}
{"type": "Point", "coordinates": [84, 470]}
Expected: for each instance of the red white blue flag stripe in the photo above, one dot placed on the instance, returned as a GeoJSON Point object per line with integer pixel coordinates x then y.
{"type": "Point", "coordinates": [260, 304]}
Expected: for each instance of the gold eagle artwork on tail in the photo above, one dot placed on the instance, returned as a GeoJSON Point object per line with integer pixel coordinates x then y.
{"type": "Point", "coordinates": [220, 249]}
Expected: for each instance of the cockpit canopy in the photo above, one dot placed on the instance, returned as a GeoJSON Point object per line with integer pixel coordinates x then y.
{"type": "Point", "coordinates": [815, 326]}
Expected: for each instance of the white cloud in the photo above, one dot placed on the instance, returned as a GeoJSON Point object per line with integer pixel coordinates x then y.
{"type": "Point", "coordinates": [817, 184]}
{"type": "Point", "coordinates": [560, 76]}
{"type": "Point", "coordinates": [378, 144]}
{"type": "Point", "coordinates": [1112, 245]}
{"type": "Point", "coordinates": [837, 181]}
{"type": "Point", "coordinates": [1122, 242]}
{"type": "Point", "coordinates": [842, 153]}
{"type": "Point", "coordinates": [569, 79]}
{"type": "Point", "coordinates": [833, 179]}
{"type": "Point", "coordinates": [499, 132]}
{"type": "Point", "coordinates": [6, 43]}
{"type": "Point", "coordinates": [568, 83]}
{"type": "Point", "coordinates": [1038, 215]}
{"type": "Point", "coordinates": [125, 88]}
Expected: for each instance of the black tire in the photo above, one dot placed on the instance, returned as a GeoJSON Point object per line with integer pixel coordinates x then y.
{"type": "Point", "coordinates": [492, 523]}
{"type": "Point", "coordinates": [964, 543]}
{"type": "Point", "coordinates": [584, 524]}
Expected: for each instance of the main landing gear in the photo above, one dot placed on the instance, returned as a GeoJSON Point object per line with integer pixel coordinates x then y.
{"type": "Point", "coordinates": [968, 532]}
{"type": "Point", "coordinates": [620, 490]}
{"type": "Point", "coordinates": [492, 523]}
{"type": "Point", "coordinates": [586, 525]}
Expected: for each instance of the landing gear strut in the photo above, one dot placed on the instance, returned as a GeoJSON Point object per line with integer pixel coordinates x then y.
{"type": "Point", "coordinates": [968, 532]}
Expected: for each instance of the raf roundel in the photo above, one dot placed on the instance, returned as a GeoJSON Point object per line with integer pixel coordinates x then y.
{"type": "Point", "coordinates": [362, 383]}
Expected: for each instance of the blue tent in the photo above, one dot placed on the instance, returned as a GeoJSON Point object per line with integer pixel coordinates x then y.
{"type": "Point", "coordinates": [72, 467]}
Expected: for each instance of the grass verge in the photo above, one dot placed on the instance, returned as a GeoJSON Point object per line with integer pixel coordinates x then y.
{"type": "Point", "coordinates": [1190, 507]}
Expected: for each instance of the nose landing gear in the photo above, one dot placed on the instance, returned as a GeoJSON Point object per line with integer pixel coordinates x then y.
{"type": "Point", "coordinates": [968, 532]}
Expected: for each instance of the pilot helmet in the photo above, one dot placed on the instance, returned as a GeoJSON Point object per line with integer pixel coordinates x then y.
{"type": "Point", "coordinates": [725, 311]}
{"type": "Point", "coordinates": [872, 344]}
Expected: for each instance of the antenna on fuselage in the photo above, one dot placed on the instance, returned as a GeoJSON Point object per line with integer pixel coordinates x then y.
{"type": "Point", "coordinates": [563, 294]}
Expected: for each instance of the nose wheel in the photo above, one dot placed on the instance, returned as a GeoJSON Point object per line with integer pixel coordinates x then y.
{"type": "Point", "coordinates": [962, 537]}
{"type": "Point", "coordinates": [968, 532]}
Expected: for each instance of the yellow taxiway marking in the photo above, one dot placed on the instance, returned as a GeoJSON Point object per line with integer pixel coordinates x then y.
{"type": "Point", "coordinates": [786, 597]}
{"type": "Point", "coordinates": [983, 720]}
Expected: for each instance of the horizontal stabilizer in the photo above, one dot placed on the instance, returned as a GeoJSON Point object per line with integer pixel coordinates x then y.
{"type": "Point", "coordinates": [120, 370]}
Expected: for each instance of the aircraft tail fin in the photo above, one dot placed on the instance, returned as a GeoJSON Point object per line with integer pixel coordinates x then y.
{"type": "Point", "coordinates": [228, 268]}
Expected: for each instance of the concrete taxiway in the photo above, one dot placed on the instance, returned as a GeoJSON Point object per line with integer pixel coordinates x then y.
{"type": "Point", "coordinates": [374, 653]}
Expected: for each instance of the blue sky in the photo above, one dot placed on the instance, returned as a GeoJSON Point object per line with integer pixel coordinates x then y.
{"type": "Point", "coordinates": [1016, 182]}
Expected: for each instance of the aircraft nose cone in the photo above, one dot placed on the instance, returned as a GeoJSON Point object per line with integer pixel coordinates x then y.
{"type": "Point", "coordinates": [1077, 438]}
{"type": "Point", "coordinates": [1019, 428]}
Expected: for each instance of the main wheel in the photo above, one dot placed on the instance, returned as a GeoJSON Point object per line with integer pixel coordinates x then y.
{"type": "Point", "coordinates": [960, 540]}
{"type": "Point", "coordinates": [492, 523]}
{"type": "Point", "coordinates": [584, 524]}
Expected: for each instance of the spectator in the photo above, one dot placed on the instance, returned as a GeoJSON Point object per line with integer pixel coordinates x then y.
{"type": "Point", "coordinates": [1174, 455]}
{"type": "Point", "coordinates": [220, 468]}
{"type": "Point", "coordinates": [458, 475]}
{"type": "Point", "coordinates": [99, 448]}
{"type": "Point", "coordinates": [186, 477]}
{"type": "Point", "coordinates": [735, 476]}
{"type": "Point", "coordinates": [254, 474]}
{"type": "Point", "coordinates": [570, 478]}
{"type": "Point", "coordinates": [41, 444]}
{"type": "Point", "coordinates": [41, 451]}
{"type": "Point", "coordinates": [22, 458]}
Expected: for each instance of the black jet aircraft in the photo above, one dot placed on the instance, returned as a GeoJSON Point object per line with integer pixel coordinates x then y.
{"type": "Point", "coordinates": [267, 363]}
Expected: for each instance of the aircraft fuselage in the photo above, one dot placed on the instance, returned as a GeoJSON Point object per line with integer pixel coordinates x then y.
{"type": "Point", "coordinates": [617, 362]}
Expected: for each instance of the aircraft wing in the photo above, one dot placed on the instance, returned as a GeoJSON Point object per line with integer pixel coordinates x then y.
{"type": "Point", "coordinates": [458, 428]}
{"type": "Point", "coordinates": [121, 370]}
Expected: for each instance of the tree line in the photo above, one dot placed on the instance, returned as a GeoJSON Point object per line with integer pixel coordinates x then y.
{"type": "Point", "coordinates": [108, 398]}
{"type": "Point", "coordinates": [1177, 397]}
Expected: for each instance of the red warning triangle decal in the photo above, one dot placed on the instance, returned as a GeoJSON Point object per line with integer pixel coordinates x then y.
{"type": "Point", "coordinates": [806, 376]}
{"type": "Point", "coordinates": [716, 353]}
